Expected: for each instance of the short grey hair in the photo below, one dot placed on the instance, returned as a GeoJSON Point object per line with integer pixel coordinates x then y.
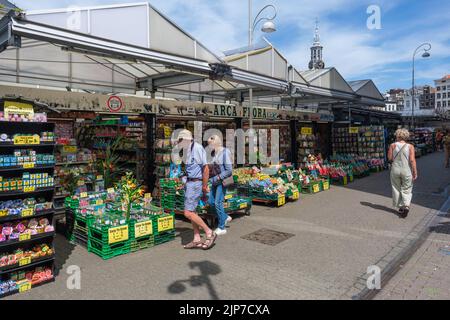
{"type": "Point", "coordinates": [402, 134]}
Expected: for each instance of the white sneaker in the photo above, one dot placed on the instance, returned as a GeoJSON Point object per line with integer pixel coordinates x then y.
{"type": "Point", "coordinates": [229, 219]}
{"type": "Point", "coordinates": [220, 232]}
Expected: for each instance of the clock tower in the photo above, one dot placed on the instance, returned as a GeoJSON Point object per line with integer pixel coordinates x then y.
{"type": "Point", "coordinates": [316, 51]}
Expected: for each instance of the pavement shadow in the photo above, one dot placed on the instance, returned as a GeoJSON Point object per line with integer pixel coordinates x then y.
{"type": "Point", "coordinates": [380, 208]}
{"type": "Point", "coordinates": [443, 228]}
{"type": "Point", "coordinates": [207, 269]}
{"type": "Point", "coordinates": [63, 250]}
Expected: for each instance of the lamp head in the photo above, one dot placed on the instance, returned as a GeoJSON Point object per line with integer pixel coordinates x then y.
{"type": "Point", "coordinates": [269, 27]}
{"type": "Point", "coordinates": [426, 55]}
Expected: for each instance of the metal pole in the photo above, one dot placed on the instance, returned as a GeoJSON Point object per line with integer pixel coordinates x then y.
{"type": "Point", "coordinates": [250, 42]}
{"type": "Point", "coordinates": [413, 92]}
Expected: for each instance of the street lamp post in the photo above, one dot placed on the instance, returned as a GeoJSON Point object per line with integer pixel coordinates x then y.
{"type": "Point", "coordinates": [268, 27]}
{"type": "Point", "coordinates": [426, 47]}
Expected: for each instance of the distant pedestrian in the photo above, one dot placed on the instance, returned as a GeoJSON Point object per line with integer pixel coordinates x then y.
{"type": "Point", "coordinates": [221, 168]}
{"type": "Point", "coordinates": [446, 142]}
{"type": "Point", "coordinates": [197, 176]}
{"type": "Point", "coordinates": [402, 157]}
{"type": "Point", "coordinates": [439, 140]}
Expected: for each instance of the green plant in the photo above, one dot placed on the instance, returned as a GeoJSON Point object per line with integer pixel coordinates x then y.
{"type": "Point", "coordinates": [109, 166]}
{"type": "Point", "coordinates": [70, 181]}
{"type": "Point", "coordinates": [129, 191]}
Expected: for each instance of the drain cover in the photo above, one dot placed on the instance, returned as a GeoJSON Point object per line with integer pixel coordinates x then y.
{"type": "Point", "coordinates": [268, 237]}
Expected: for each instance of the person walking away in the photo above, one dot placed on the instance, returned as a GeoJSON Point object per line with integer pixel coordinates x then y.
{"type": "Point", "coordinates": [402, 157]}
{"type": "Point", "coordinates": [439, 138]}
{"type": "Point", "coordinates": [220, 168]}
{"type": "Point", "coordinates": [197, 175]}
{"type": "Point", "coordinates": [446, 142]}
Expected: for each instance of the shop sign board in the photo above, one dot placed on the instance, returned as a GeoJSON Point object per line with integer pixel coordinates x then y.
{"type": "Point", "coordinates": [114, 103]}
{"type": "Point", "coordinates": [18, 108]}
{"type": "Point", "coordinates": [118, 234]}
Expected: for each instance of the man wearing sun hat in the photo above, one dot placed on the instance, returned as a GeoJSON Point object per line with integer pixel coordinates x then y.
{"type": "Point", "coordinates": [197, 175]}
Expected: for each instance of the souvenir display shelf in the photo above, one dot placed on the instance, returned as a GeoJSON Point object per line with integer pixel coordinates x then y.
{"type": "Point", "coordinates": [26, 218]}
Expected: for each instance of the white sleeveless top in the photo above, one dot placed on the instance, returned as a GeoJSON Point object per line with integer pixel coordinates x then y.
{"type": "Point", "coordinates": [398, 147]}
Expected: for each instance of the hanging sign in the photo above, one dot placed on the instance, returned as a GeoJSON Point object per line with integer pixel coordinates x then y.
{"type": "Point", "coordinates": [143, 229]}
{"type": "Point", "coordinates": [353, 130]}
{"type": "Point", "coordinates": [18, 108]}
{"type": "Point", "coordinates": [118, 234]}
{"type": "Point", "coordinates": [306, 131]}
{"type": "Point", "coordinates": [114, 103]}
{"type": "Point", "coordinates": [165, 224]}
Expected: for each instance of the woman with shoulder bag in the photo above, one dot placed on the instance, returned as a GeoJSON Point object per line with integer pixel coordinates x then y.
{"type": "Point", "coordinates": [402, 157]}
{"type": "Point", "coordinates": [221, 175]}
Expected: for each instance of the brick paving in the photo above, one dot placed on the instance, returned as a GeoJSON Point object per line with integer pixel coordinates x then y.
{"type": "Point", "coordinates": [426, 276]}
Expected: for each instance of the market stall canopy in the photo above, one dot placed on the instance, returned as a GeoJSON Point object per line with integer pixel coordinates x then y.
{"type": "Point", "coordinates": [368, 91]}
{"type": "Point", "coordinates": [87, 62]}
{"type": "Point", "coordinates": [263, 58]}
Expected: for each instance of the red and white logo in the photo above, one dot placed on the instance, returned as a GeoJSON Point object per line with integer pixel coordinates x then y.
{"type": "Point", "coordinates": [114, 104]}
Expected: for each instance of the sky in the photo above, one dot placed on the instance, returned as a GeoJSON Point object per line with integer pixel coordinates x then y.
{"type": "Point", "coordinates": [357, 52]}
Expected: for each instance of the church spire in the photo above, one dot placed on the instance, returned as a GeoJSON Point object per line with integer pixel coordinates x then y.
{"type": "Point", "coordinates": [316, 51]}
{"type": "Point", "coordinates": [316, 34]}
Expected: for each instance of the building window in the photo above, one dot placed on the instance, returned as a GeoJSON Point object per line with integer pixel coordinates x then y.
{"type": "Point", "coordinates": [439, 104]}
{"type": "Point", "coordinates": [438, 95]}
{"type": "Point", "coordinates": [438, 88]}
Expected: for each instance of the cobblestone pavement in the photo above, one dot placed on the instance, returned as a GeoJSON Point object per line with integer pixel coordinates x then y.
{"type": "Point", "coordinates": [336, 235]}
{"type": "Point", "coordinates": [426, 276]}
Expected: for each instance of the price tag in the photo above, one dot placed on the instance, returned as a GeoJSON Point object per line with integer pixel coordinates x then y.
{"type": "Point", "coordinates": [306, 131]}
{"type": "Point", "coordinates": [243, 206]}
{"type": "Point", "coordinates": [28, 165]}
{"type": "Point", "coordinates": [24, 261]}
{"type": "Point", "coordinates": [111, 190]}
{"type": "Point", "coordinates": [80, 183]}
{"type": "Point", "coordinates": [4, 213]}
{"type": "Point", "coordinates": [326, 185]}
{"type": "Point", "coordinates": [83, 195]}
{"type": "Point", "coordinates": [25, 236]}
{"type": "Point", "coordinates": [165, 224]}
{"type": "Point", "coordinates": [29, 189]}
{"type": "Point", "coordinates": [167, 132]}
{"type": "Point", "coordinates": [316, 188]}
{"type": "Point", "coordinates": [25, 286]}
{"type": "Point", "coordinates": [351, 178]}
{"type": "Point", "coordinates": [228, 196]}
{"type": "Point", "coordinates": [296, 195]}
{"type": "Point", "coordinates": [353, 130]}
{"type": "Point", "coordinates": [27, 213]}
{"type": "Point", "coordinates": [69, 149]}
{"type": "Point", "coordinates": [21, 140]}
{"type": "Point", "coordinates": [143, 229]}
{"type": "Point", "coordinates": [281, 200]}
{"type": "Point", "coordinates": [346, 180]}
{"type": "Point", "coordinates": [99, 178]}
{"type": "Point", "coordinates": [148, 196]}
{"type": "Point", "coordinates": [118, 234]}
{"type": "Point", "coordinates": [99, 202]}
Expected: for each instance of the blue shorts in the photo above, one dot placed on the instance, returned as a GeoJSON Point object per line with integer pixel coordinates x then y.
{"type": "Point", "coordinates": [193, 195]}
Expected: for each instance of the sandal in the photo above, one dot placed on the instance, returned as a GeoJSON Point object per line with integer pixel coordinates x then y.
{"type": "Point", "coordinates": [194, 245]}
{"type": "Point", "coordinates": [209, 243]}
